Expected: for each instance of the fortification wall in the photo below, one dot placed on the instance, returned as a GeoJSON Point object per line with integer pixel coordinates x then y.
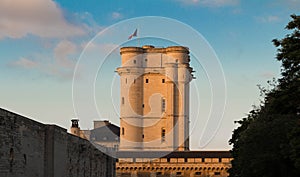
{"type": "Point", "coordinates": [32, 149]}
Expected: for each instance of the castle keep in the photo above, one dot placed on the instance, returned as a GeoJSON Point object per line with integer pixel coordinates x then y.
{"type": "Point", "coordinates": [154, 117]}
{"type": "Point", "coordinates": [154, 111]}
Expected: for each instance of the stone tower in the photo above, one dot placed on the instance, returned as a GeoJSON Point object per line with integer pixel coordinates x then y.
{"type": "Point", "coordinates": [154, 108]}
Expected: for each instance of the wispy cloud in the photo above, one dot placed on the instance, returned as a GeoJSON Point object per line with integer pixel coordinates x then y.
{"type": "Point", "coordinates": [61, 66]}
{"type": "Point", "coordinates": [267, 75]}
{"type": "Point", "coordinates": [290, 4]}
{"type": "Point", "coordinates": [62, 52]}
{"type": "Point", "coordinates": [65, 55]}
{"type": "Point", "coordinates": [237, 11]}
{"type": "Point", "coordinates": [87, 21]}
{"type": "Point", "coordinates": [42, 18]}
{"type": "Point", "coordinates": [210, 3]}
{"type": "Point", "coordinates": [104, 48]}
{"type": "Point", "coordinates": [25, 63]}
{"type": "Point", "coordinates": [268, 19]}
{"type": "Point", "coordinates": [116, 15]}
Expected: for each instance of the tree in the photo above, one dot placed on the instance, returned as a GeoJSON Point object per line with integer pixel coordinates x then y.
{"type": "Point", "coordinates": [267, 142]}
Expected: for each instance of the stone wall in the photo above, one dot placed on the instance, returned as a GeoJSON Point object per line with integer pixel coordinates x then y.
{"type": "Point", "coordinates": [31, 149]}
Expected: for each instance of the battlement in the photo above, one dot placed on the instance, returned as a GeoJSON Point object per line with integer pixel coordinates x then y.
{"type": "Point", "coordinates": [152, 49]}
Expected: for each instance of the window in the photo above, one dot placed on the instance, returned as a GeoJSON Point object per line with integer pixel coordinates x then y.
{"type": "Point", "coordinates": [147, 80]}
{"type": "Point", "coordinates": [163, 105]}
{"type": "Point", "coordinates": [143, 105]}
{"type": "Point", "coordinates": [126, 80]}
{"type": "Point", "coordinates": [146, 60]}
{"type": "Point", "coordinates": [217, 173]}
{"type": "Point", "coordinates": [123, 100]}
{"type": "Point", "coordinates": [134, 61]}
{"type": "Point", "coordinates": [143, 136]}
{"type": "Point", "coordinates": [178, 173]}
{"type": "Point", "coordinates": [198, 173]}
{"type": "Point", "coordinates": [134, 81]}
{"type": "Point", "coordinates": [123, 131]}
{"type": "Point", "coordinates": [163, 134]}
{"type": "Point", "coordinates": [163, 80]}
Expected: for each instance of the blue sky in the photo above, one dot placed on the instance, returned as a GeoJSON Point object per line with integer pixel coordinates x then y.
{"type": "Point", "coordinates": [42, 40]}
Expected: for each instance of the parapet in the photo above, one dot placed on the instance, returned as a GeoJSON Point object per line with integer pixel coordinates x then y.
{"type": "Point", "coordinates": [152, 49]}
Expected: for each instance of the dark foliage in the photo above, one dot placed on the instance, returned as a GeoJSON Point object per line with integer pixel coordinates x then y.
{"type": "Point", "coordinates": [267, 142]}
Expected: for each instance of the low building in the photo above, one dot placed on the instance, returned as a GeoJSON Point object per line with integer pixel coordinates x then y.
{"type": "Point", "coordinates": [105, 135]}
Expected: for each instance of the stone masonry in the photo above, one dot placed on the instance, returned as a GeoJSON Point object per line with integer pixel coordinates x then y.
{"type": "Point", "coordinates": [32, 149]}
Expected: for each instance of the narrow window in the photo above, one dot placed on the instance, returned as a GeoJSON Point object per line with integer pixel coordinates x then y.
{"type": "Point", "coordinates": [134, 81]}
{"type": "Point", "coordinates": [143, 105]}
{"type": "Point", "coordinates": [147, 81]}
{"type": "Point", "coordinates": [198, 173]}
{"type": "Point", "coordinates": [123, 100]}
{"type": "Point", "coordinates": [143, 136]}
{"type": "Point", "coordinates": [163, 80]}
{"type": "Point", "coordinates": [163, 134]}
{"type": "Point", "coordinates": [123, 131]}
{"type": "Point", "coordinates": [146, 60]}
{"type": "Point", "coordinates": [163, 105]}
{"type": "Point", "coordinates": [25, 158]}
{"type": "Point", "coordinates": [126, 80]}
{"type": "Point", "coordinates": [134, 61]}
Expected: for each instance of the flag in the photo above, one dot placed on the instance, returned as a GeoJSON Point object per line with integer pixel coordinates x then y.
{"type": "Point", "coordinates": [133, 35]}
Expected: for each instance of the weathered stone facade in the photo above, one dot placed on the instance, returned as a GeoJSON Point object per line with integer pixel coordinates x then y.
{"type": "Point", "coordinates": [154, 117]}
{"type": "Point", "coordinates": [32, 149]}
{"type": "Point", "coordinates": [169, 164]}
{"type": "Point", "coordinates": [154, 110]}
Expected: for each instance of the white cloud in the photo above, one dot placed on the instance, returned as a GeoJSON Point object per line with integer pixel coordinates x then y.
{"type": "Point", "coordinates": [116, 15]}
{"type": "Point", "coordinates": [43, 18]}
{"type": "Point", "coordinates": [210, 3]}
{"type": "Point", "coordinates": [268, 19]}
